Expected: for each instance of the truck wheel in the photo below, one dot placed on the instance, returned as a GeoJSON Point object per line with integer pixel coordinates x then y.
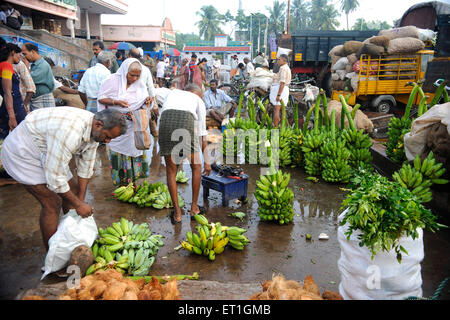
{"type": "Point", "coordinates": [384, 106]}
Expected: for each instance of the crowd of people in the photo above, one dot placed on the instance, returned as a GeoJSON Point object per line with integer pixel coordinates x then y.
{"type": "Point", "coordinates": [40, 139]}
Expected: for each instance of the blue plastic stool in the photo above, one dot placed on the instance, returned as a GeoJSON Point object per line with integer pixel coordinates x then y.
{"type": "Point", "coordinates": [229, 188]}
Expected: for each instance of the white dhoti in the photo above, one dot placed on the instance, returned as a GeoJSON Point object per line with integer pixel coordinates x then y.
{"type": "Point", "coordinates": [22, 160]}
{"type": "Point", "coordinates": [274, 93]}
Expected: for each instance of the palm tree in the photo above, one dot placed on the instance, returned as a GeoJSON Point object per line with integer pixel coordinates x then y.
{"type": "Point", "coordinates": [300, 15]}
{"type": "Point", "coordinates": [323, 15]}
{"type": "Point", "coordinates": [210, 22]}
{"type": "Point", "coordinates": [277, 17]}
{"type": "Point", "coordinates": [349, 6]}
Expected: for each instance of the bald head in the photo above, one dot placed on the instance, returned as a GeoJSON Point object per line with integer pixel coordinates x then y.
{"type": "Point", "coordinates": [134, 53]}
{"type": "Point", "coordinates": [192, 87]}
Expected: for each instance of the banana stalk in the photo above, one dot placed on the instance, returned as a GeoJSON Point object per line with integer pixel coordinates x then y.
{"type": "Point", "coordinates": [308, 117]}
{"type": "Point", "coordinates": [194, 276]}
{"type": "Point", "coordinates": [325, 109]}
{"type": "Point", "coordinates": [438, 94]}
{"type": "Point", "coordinates": [411, 99]}
{"type": "Point", "coordinates": [241, 100]}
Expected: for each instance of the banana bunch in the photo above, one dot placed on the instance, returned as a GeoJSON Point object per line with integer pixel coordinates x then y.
{"type": "Point", "coordinates": [229, 138]}
{"type": "Point", "coordinates": [358, 143]}
{"type": "Point", "coordinates": [421, 177]}
{"type": "Point", "coordinates": [297, 154]}
{"type": "Point", "coordinates": [237, 239]}
{"type": "Point", "coordinates": [335, 163]}
{"type": "Point", "coordinates": [124, 193]}
{"type": "Point", "coordinates": [244, 124]}
{"type": "Point", "coordinates": [181, 177]}
{"type": "Point", "coordinates": [275, 198]}
{"type": "Point", "coordinates": [398, 127]}
{"type": "Point", "coordinates": [164, 201]}
{"type": "Point", "coordinates": [119, 245]}
{"type": "Point", "coordinates": [287, 142]}
{"type": "Point", "coordinates": [211, 238]}
{"type": "Point", "coordinates": [312, 143]}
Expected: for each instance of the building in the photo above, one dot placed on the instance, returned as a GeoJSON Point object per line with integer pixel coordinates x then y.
{"type": "Point", "coordinates": [152, 38]}
{"type": "Point", "coordinates": [75, 18]}
{"type": "Point", "coordinates": [220, 47]}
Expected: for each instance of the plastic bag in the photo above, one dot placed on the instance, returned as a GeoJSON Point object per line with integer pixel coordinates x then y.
{"type": "Point", "coordinates": [283, 51]}
{"type": "Point", "coordinates": [427, 35]}
{"type": "Point", "coordinates": [416, 139]}
{"type": "Point", "coordinates": [340, 64]}
{"type": "Point", "coordinates": [73, 231]}
{"type": "Point", "coordinates": [382, 278]}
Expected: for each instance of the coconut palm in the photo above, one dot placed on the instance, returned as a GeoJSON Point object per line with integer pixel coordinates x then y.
{"type": "Point", "coordinates": [349, 6]}
{"type": "Point", "coordinates": [300, 15]}
{"type": "Point", "coordinates": [210, 22]}
{"type": "Point", "coordinates": [323, 15]}
{"type": "Point", "coordinates": [277, 17]}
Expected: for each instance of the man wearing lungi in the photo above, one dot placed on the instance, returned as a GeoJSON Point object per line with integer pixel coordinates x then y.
{"type": "Point", "coordinates": [182, 124]}
{"type": "Point", "coordinates": [38, 151]}
{"type": "Point", "coordinates": [280, 88]}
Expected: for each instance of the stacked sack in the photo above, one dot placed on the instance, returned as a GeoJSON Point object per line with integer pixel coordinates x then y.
{"type": "Point", "coordinates": [392, 44]}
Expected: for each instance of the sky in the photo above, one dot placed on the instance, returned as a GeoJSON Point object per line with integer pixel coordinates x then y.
{"type": "Point", "coordinates": [182, 13]}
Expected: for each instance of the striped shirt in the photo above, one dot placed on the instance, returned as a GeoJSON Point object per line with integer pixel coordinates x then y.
{"type": "Point", "coordinates": [61, 133]}
{"type": "Point", "coordinates": [26, 81]}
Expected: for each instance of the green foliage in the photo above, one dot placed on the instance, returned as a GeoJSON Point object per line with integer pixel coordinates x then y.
{"type": "Point", "coordinates": [383, 211]}
{"type": "Point", "coordinates": [363, 25]}
{"type": "Point", "coordinates": [210, 22]}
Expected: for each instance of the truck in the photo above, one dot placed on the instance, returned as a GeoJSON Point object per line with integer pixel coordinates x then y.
{"type": "Point", "coordinates": [310, 52]}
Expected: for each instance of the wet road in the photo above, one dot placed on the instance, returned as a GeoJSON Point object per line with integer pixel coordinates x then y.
{"type": "Point", "coordinates": [273, 248]}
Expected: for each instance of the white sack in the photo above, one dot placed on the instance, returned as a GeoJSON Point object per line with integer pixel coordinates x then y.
{"type": "Point", "coordinates": [416, 139]}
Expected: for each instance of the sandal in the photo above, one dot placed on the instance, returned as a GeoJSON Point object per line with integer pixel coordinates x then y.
{"type": "Point", "coordinates": [172, 217]}
{"type": "Point", "coordinates": [202, 211]}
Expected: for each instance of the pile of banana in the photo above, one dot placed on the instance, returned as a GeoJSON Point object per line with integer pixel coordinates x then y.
{"type": "Point", "coordinates": [358, 143]}
{"type": "Point", "coordinates": [181, 177]}
{"type": "Point", "coordinates": [335, 167]}
{"type": "Point", "coordinates": [127, 247]}
{"type": "Point", "coordinates": [229, 138]}
{"type": "Point", "coordinates": [395, 149]}
{"type": "Point", "coordinates": [287, 143]}
{"type": "Point", "coordinates": [421, 177]}
{"type": "Point", "coordinates": [275, 199]}
{"type": "Point", "coordinates": [211, 238]}
{"type": "Point", "coordinates": [147, 195]}
{"type": "Point", "coordinates": [312, 143]}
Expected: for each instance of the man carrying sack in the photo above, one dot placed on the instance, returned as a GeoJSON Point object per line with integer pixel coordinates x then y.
{"type": "Point", "coordinates": [38, 151]}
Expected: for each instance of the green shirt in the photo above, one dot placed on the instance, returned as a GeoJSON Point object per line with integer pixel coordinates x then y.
{"type": "Point", "coordinates": [42, 75]}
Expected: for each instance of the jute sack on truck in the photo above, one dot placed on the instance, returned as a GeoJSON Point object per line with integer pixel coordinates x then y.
{"type": "Point", "coordinates": [334, 76]}
{"type": "Point", "coordinates": [381, 41]}
{"type": "Point", "coordinates": [341, 74]}
{"type": "Point", "coordinates": [352, 47]}
{"type": "Point", "coordinates": [405, 45]}
{"type": "Point", "coordinates": [371, 49]}
{"type": "Point", "coordinates": [361, 120]}
{"type": "Point", "coordinates": [352, 58]}
{"type": "Point", "coordinates": [349, 68]}
{"type": "Point", "coordinates": [338, 85]}
{"type": "Point", "coordinates": [334, 58]}
{"type": "Point", "coordinates": [402, 32]}
{"type": "Point", "coordinates": [337, 51]}
{"type": "Point", "coordinates": [354, 81]}
{"type": "Point", "coordinates": [402, 75]}
{"type": "Point", "coordinates": [382, 278]}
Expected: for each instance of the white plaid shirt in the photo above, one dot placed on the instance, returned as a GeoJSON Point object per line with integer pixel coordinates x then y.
{"type": "Point", "coordinates": [60, 133]}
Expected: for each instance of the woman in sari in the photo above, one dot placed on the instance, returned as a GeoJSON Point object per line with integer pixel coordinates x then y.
{"type": "Point", "coordinates": [124, 92]}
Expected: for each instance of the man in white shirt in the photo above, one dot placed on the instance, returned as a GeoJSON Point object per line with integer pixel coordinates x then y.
{"type": "Point", "coordinates": [38, 151]}
{"type": "Point", "coordinates": [249, 68]}
{"type": "Point", "coordinates": [141, 51]}
{"type": "Point", "coordinates": [182, 124]}
{"type": "Point", "coordinates": [93, 79]}
{"type": "Point", "coordinates": [160, 72]}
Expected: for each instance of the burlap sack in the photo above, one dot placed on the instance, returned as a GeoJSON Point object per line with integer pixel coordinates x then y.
{"type": "Point", "coordinates": [338, 85]}
{"type": "Point", "coordinates": [341, 74]}
{"type": "Point", "coordinates": [349, 68]}
{"type": "Point", "coordinates": [372, 50]}
{"type": "Point", "coordinates": [405, 45]}
{"type": "Point", "coordinates": [334, 58]}
{"type": "Point", "coordinates": [334, 76]}
{"type": "Point", "coordinates": [404, 75]}
{"type": "Point", "coordinates": [352, 58]}
{"type": "Point", "coordinates": [337, 51]}
{"type": "Point", "coordinates": [361, 120]}
{"type": "Point", "coordinates": [381, 41]}
{"type": "Point", "coordinates": [438, 141]}
{"type": "Point", "coordinates": [352, 47]}
{"type": "Point", "coordinates": [71, 100]}
{"type": "Point", "coordinates": [355, 81]}
{"type": "Point", "coordinates": [340, 64]}
{"type": "Point", "coordinates": [402, 32]}
{"type": "Point", "coordinates": [396, 65]}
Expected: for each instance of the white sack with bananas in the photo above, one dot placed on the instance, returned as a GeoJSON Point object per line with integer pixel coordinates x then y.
{"type": "Point", "coordinates": [416, 139]}
{"type": "Point", "coordinates": [382, 278]}
{"type": "Point", "coordinates": [73, 231]}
